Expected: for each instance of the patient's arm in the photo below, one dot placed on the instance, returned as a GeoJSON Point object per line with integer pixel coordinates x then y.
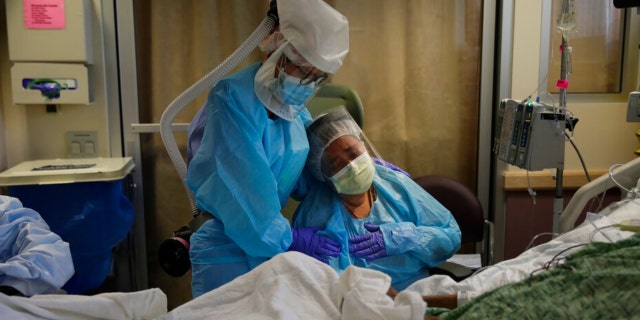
{"type": "Point", "coordinates": [392, 292]}
{"type": "Point", "coordinates": [449, 301]}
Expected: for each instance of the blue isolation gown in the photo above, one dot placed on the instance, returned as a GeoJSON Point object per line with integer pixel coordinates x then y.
{"type": "Point", "coordinates": [33, 259]}
{"type": "Point", "coordinates": [243, 172]}
{"type": "Point", "coordinates": [418, 231]}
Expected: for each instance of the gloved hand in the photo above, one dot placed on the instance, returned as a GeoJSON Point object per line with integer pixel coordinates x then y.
{"type": "Point", "coordinates": [370, 245]}
{"type": "Point", "coordinates": [390, 166]}
{"type": "Point", "coordinates": [307, 241]}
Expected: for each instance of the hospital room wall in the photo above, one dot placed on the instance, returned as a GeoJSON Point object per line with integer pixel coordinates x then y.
{"type": "Point", "coordinates": [33, 133]}
{"type": "Point", "coordinates": [602, 134]}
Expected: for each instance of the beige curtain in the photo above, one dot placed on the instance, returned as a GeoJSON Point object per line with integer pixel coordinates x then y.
{"type": "Point", "coordinates": [414, 63]}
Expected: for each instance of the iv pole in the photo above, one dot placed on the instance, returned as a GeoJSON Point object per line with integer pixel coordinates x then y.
{"type": "Point", "coordinates": [566, 22]}
{"type": "Point", "coordinates": [558, 201]}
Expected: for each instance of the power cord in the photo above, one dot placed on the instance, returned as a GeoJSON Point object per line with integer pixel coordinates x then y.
{"type": "Point", "coordinates": [556, 259]}
{"type": "Point", "coordinates": [599, 229]}
{"type": "Point", "coordinates": [616, 181]}
{"type": "Point", "coordinates": [584, 166]}
{"type": "Point", "coordinates": [552, 234]}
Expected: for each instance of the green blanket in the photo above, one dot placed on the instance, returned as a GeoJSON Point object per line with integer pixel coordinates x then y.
{"type": "Point", "coordinates": [600, 281]}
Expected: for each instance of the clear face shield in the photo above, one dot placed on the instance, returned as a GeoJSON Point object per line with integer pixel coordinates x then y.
{"type": "Point", "coordinates": [297, 66]}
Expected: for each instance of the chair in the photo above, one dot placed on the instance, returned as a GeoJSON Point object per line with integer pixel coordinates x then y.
{"type": "Point", "coordinates": [467, 210]}
{"type": "Point", "coordinates": [333, 95]}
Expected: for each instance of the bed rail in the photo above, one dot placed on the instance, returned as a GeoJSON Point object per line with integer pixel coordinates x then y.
{"type": "Point", "coordinates": [626, 176]}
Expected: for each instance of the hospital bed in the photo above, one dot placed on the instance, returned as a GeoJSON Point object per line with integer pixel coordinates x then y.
{"type": "Point", "coordinates": [294, 292]}
{"type": "Point", "coordinates": [624, 177]}
{"type": "Point", "coordinates": [498, 288]}
{"type": "Point", "coordinates": [292, 285]}
{"type": "Point", "coordinates": [297, 286]}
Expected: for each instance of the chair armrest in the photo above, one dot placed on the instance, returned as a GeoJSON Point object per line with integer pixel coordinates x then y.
{"type": "Point", "coordinates": [487, 244]}
{"type": "Point", "coordinates": [454, 270]}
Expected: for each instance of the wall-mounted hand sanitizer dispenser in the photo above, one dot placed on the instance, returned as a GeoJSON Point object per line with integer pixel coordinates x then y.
{"type": "Point", "coordinates": [51, 50]}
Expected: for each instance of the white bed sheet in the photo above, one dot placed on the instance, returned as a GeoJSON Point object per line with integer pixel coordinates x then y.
{"type": "Point", "coordinates": [521, 267]}
{"type": "Point", "coordinates": [145, 304]}
{"type": "Point", "coordinates": [289, 286]}
{"type": "Point", "coordinates": [295, 286]}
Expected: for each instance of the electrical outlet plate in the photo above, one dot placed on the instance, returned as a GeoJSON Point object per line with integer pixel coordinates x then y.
{"type": "Point", "coordinates": [82, 144]}
{"type": "Point", "coordinates": [633, 107]}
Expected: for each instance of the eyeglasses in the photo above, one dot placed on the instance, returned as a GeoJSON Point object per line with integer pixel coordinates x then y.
{"type": "Point", "coordinates": [305, 74]}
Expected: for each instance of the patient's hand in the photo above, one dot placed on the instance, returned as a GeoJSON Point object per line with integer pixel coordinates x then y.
{"type": "Point", "coordinates": [392, 293]}
{"type": "Point", "coordinates": [449, 301]}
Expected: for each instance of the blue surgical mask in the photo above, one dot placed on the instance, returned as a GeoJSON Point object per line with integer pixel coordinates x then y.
{"type": "Point", "coordinates": [356, 177]}
{"type": "Point", "coordinates": [288, 89]}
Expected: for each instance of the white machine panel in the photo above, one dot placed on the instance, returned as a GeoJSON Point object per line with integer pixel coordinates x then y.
{"type": "Point", "coordinates": [530, 135]}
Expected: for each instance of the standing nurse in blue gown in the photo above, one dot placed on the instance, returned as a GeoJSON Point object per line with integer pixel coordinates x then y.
{"type": "Point", "coordinates": [248, 146]}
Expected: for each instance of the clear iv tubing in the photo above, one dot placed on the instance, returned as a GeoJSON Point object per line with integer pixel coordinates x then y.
{"type": "Point", "coordinates": [202, 85]}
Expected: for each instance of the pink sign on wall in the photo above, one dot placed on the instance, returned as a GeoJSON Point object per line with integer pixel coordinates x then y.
{"type": "Point", "coordinates": [44, 14]}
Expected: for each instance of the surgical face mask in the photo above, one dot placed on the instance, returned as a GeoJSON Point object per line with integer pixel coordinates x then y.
{"type": "Point", "coordinates": [265, 84]}
{"type": "Point", "coordinates": [356, 177]}
{"type": "Point", "coordinates": [288, 89]}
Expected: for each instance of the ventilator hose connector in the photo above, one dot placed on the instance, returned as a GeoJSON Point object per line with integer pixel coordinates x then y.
{"type": "Point", "coordinates": [273, 11]}
{"type": "Point", "coordinates": [173, 253]}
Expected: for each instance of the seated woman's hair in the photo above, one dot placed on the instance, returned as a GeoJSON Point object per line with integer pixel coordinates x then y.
{"type": "Point", "coordinates": [325, 129]}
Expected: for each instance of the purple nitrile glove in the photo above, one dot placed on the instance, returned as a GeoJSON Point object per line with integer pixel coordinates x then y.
{"type": "Point", "coordinates": [307, 241]}
{"type": "Point", "coordinates": [390, 166]}
{"type": "Point", "coordinates": [370, 245]}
